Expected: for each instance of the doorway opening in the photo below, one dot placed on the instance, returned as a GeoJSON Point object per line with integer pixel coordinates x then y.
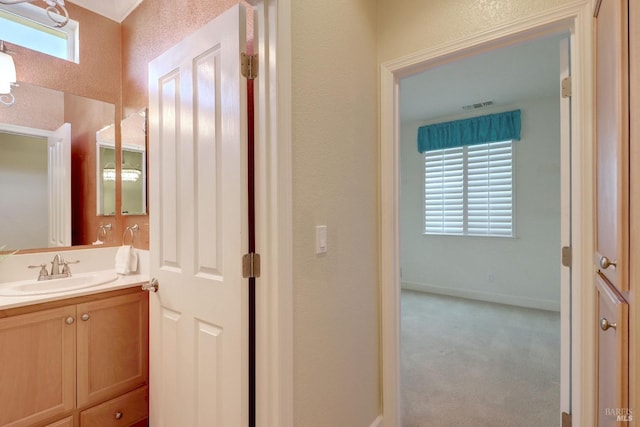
{"type": "Point", "coordinates": [480, 230]}
{"type": "Point", "coordinates": [576, 21]}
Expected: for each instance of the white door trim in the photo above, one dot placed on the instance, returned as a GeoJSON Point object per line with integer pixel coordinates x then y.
{"type": "Point", "coordinates": [274, 201]}
{"type": "Point", "coordinates": [575, 17]}
{"type": "Point", "coordinates": [565, 228]}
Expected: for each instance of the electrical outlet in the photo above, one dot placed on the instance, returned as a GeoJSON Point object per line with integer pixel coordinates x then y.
{"type": "Point", "coordinates": [491, 278]}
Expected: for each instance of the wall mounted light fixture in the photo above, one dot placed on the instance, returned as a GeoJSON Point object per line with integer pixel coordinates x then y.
{"type": "Point", "coordinates": [7, 76]}
{"type": "Point", "coordinates": [55, 10]}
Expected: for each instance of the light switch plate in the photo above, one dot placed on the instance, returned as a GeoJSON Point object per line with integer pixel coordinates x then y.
{"type": "Point", "coordinates": [321, 239]}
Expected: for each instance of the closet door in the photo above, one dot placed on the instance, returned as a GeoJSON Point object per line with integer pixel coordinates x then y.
{"type": "Point", "coordinates": [612, 133]}
{"type": "Point", "coordinates": [612, 342]}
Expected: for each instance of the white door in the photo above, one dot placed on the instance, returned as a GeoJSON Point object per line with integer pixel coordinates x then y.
{"type": "Point", "coordinates": [198, 317]}
{"type": "Point", "coordinates": [59, 170]}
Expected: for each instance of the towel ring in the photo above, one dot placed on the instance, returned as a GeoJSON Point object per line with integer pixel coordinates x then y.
{"type": "Point", "coordinates": [131, 231]}
{"type": "Point", "coordinates": [102, 231]}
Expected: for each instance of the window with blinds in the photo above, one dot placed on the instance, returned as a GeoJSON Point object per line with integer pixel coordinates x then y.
{"type": "Point", "coordinates": [469, 190]}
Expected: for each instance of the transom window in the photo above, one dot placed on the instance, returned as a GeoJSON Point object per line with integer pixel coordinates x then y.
{"type": "Point", "coordinates": [27, 25]}
{"type": "Point", "coordinates": [469, 190]}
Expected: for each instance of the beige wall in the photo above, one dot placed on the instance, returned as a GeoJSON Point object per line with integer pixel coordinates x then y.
{"type": "Point", "coordinates": [407, 26]}
{"type": "Point", "coordinates": [336, 334]}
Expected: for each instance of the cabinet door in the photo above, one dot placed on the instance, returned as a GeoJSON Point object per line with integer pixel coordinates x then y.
{"type": "Point", "coordinates": [37, 366]}
{"type": "Point", "coordinates": [112, 346]}
{"type": "Point", "coordinates": [612, 133]}
{"type": "Point", "coordinates": [612, 356]}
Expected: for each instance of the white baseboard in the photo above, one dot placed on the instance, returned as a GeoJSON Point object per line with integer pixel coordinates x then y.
{"type": "Point", "coordinates": [377, 422]}
{"type": "Point", "coordinates": [516, 300]}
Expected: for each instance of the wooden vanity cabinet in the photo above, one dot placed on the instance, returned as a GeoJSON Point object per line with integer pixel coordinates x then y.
{"type": "Point", "coordinates": [112, 347]}
{"type": "Point", "coordinates": [82, 363]}
{"type": "Point", "coordinates": [37, 366]}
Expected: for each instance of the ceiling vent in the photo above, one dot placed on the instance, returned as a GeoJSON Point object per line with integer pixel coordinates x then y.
{"type": "Point", "coordinates": [478, 105]}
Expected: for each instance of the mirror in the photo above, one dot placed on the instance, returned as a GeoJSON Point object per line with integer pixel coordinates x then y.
{"type": "Point", "coordinates": [106, 171]}
{"type": "Point", "coordinates": [134, 163]}
{"type": "Point", "coordinates": [133, 169]}
{"type": "Point", "coordinates": [40, 111]}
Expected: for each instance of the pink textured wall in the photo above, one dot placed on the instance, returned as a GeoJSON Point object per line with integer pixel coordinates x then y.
{"type": "Point", "coordinates": [97, 75]}
{"type": "Point", "coordinates": [152, 28]}
{"type": "Point", "coordinates": [35, 107]}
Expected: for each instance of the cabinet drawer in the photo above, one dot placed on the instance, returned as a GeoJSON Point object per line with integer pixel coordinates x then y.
{"type": "Point", "coordinates": [67, 422]}
{"type": "Point", "coordinates": [121, 411]}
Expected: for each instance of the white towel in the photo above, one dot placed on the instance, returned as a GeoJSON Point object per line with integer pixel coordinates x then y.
{"type": "Point", "coordinates": [126, 260]}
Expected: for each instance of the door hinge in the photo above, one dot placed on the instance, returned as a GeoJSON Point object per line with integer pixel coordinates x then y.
{"type": "Point", "coordinates": [251, 266]}
{"type": "Point", "coordinates": [566, 87]}
{"type": "Point", "coordinates": [566, 420]}
{"type": "Point", "coordinates": [566, 256]}
{"type": "Point", "coordinates": [249, 64]}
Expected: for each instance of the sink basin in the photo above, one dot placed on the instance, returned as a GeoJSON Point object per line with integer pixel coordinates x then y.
{"type": "Point", "coordinates": [53, 286]}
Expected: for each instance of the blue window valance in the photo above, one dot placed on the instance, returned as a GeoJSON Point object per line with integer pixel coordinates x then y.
{"type": "Point", "coordinates": [476, 130]}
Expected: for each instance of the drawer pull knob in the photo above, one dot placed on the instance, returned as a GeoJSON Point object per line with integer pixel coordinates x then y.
{"type": "Point", "coordinates": [604, 324]}
{"type": "Point", "coordinates": [606, 263]}
{"type": "Point", "coordinates": [85, 317]}
{"type": "Point", "coordinates": [69, 320]}
{"type": "Point", "coordinates": [118, 415]}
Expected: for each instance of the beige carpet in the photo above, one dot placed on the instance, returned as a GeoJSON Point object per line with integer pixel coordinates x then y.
{"type": "Point", "coordinates": [478, 364]}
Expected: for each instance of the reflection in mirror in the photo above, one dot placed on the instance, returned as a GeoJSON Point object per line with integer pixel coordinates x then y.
{"type": "Point", "coordinates": [72, 221]}
{"type": "Point", "coordinates": [106, 171]}
{"type": "Point", "coordinates": [134, 164]}
{"type": "Point", "coordinates": [24, 181]}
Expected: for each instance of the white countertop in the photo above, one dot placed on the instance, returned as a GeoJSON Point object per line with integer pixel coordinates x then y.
{"type": "Point", "coordinates": [94, 261]}
{"type": "Point", "coordinates": [121, 282]}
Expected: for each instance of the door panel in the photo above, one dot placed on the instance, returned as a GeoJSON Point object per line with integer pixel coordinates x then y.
{"type": "Point", "coordinates": [612, 132]}
{"type": "Point", "coordinates": [197, 124]}
{"type": "Point", "coordinates": [612, 355]}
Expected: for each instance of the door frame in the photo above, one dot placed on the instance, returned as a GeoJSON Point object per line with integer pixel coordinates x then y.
{"type": "Point", "coordinates": [274, 210]}
{"type": "Point", "coordinates": [575, 18]}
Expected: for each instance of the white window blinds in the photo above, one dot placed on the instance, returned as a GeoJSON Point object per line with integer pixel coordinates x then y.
{"type": "Point", "coordinates": [444, 191]}
{"type": "Point", "coordinates": [468, 190]}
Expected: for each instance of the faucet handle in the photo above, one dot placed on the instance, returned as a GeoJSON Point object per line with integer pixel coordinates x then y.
{"type": "Point", "coordinates": [43, 270]}
{"type": "Point", "coordinates": [37, 266]}
{"type": "Point", "coordinates": [65, 266]}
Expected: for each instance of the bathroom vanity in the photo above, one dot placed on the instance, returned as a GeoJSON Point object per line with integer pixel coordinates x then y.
{"type": "Point", "coordinates": [76, 360]}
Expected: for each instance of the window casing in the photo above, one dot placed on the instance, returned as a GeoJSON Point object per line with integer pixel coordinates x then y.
{"type": "Point", "coordinates": [29, 26]}
{"type": "Point", "coordinates": [469, 190]}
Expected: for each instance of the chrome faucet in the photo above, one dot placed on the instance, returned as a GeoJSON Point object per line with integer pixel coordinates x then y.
{"type": "Point", "coordinates": [56, 273]}
{"type": "Point", "coordinates": [55, 264]}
